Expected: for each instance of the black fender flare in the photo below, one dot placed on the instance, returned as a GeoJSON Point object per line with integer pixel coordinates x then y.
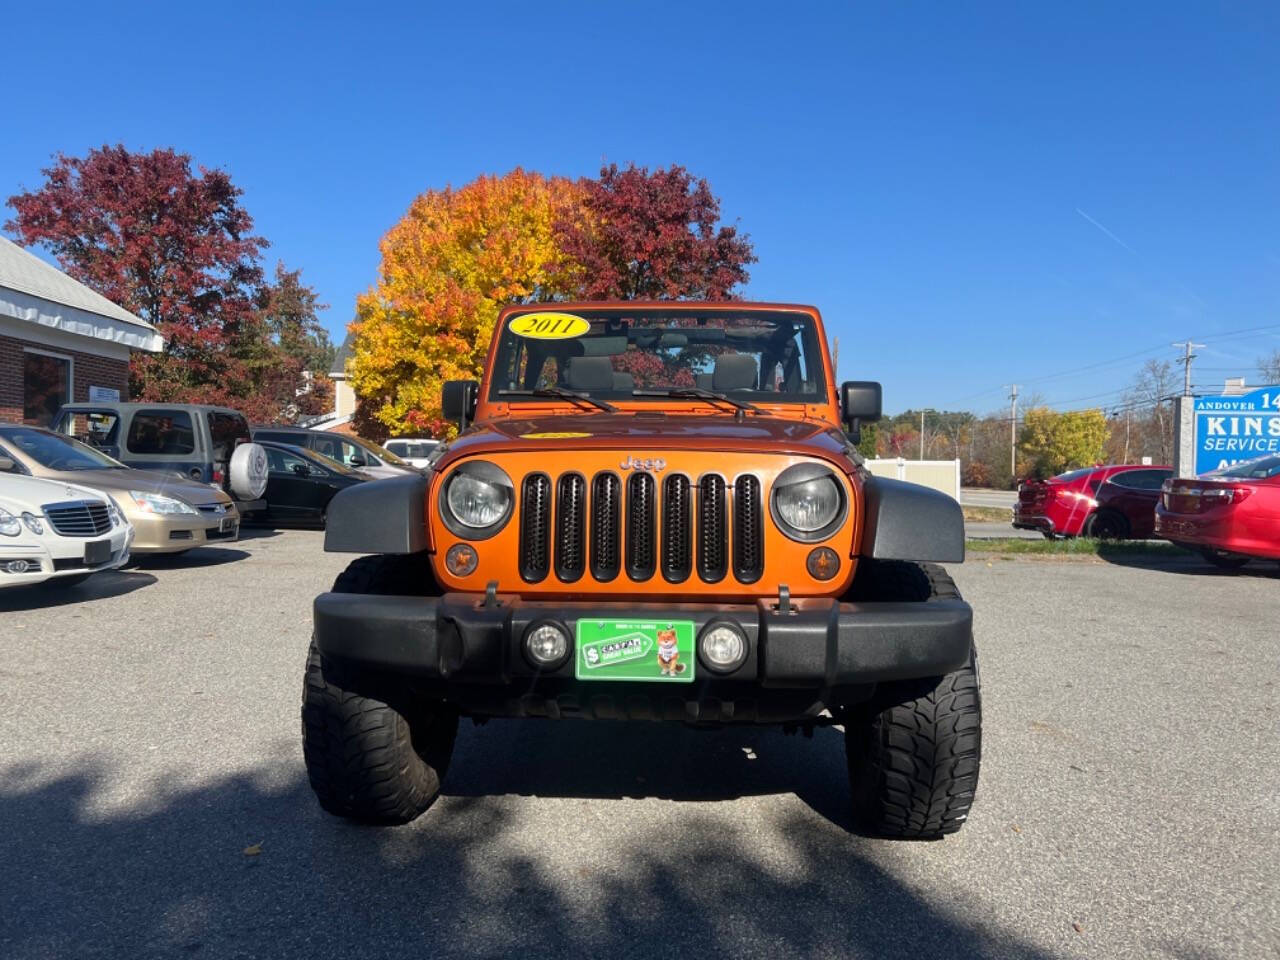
{"type": "Point", "coordinates": [905, 521]}
{"type": "Point", "coordinates": [380, 516]}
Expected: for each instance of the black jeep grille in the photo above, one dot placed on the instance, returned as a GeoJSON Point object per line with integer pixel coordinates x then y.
{"type": "Point", "coordinates": [606, 509]}
{"type": "Point", "coordinates": [748, 530]}
{"type": "Point", "coordinates": [535, 527]}
{"type": "Point", "coordinates": [571, 517]}
{"type": "Point", "coordinates": [643, 526]}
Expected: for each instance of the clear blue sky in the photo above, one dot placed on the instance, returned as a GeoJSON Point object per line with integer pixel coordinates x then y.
{"type": "Point", "coordinates": [973, 194]}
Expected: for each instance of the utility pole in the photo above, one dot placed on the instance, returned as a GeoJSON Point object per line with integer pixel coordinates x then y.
{"type": "Point", "coordinates": [1013, 431]}
{"type": "Point", "coordinates": [1186, 363]}
{"type": "Point", "coordinates": [921, 434]}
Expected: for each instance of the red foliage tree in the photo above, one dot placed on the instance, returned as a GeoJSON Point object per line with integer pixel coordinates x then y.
{"type": "Point", "coordinates": [653, 236]}
{"type": "Point", "coordinates": [170, 246]}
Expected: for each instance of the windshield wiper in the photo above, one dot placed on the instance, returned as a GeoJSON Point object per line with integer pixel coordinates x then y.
{"type": "Point", "coordinates": [698, 393]}
{"type": "Point", "coordinates": [559, 393]}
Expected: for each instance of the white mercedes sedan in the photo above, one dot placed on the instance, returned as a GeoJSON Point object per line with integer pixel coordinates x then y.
{"type": "Point", "coordinates": [58, 532]}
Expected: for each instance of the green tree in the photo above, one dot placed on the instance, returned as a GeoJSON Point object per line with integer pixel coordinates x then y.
{"type": "Point", "coordinates": [1054, 442]}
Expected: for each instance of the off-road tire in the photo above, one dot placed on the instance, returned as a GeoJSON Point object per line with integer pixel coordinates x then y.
{"type": "Point", "coordinates": [915, 748]}
{"type": "Point", "coordinates": [366, 759]}
{"type": "Point", "coordinates": [374, 752]}
{"type": "Point", "coordinates": [1107, 525]}
{"type": "Point", "coordinates": [388, 575]}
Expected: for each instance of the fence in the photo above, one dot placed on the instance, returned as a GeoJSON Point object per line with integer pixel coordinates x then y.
{"type": "Point", "coordinates": [940, 475]}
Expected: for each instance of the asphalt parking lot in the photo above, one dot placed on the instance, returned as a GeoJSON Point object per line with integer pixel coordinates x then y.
{"type": "Point", "coordinates": [153, 800]}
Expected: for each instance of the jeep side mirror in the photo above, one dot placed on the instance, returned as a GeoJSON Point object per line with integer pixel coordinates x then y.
{"type": "Point", "coordinates": [859, 401]}
{"type": "Point", "coordinates": [458, 401]}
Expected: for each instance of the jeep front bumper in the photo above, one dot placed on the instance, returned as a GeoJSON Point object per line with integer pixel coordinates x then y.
{"type": "Point", "coordinates": [468, 648]}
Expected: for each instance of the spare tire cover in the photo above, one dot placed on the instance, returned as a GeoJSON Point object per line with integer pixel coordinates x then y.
{"type": "Point", "coordinates": [249, 471]}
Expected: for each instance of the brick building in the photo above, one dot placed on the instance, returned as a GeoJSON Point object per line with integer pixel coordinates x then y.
{"type": "Point", "coordinates": [59, 341]}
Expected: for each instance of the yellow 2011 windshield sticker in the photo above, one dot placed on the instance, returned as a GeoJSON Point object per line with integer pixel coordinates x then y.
{"type": "Point", "coordinates": [549, 326]}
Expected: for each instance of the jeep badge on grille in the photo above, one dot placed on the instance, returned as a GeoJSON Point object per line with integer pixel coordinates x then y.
{"type": "Point", "coordinates": [652, 464]}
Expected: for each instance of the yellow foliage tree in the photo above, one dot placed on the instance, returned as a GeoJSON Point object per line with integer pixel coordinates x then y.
{"type": "Point", "coordinates": [1055, 442]}
{"type": "Point", "coordinates": [448, 266]}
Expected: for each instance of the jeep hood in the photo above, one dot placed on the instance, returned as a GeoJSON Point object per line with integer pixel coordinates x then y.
{"type": "Point", "coordinates": [656, 430]}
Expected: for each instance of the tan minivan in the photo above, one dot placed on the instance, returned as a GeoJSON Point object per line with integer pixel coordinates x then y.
{"type": "Point", "coordinates": [169, 513]}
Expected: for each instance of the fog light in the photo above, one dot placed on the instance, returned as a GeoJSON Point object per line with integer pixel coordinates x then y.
{"type": "Point", "coordinates": [823, 563]}
{"type": "Point", "coordinates": [546, 645]}
{"type": "Point", "coordinates": [19, 566]}
{"type": "Point", "coordinates": [461, 560]}
{"type": "Point", "coordinates": [722, 647]}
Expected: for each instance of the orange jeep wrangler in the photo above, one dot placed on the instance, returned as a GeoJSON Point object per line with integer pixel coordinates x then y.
{"type": "Point", "coordinates": [653, 512]}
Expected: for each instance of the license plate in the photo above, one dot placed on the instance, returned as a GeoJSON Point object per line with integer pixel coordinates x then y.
{"type": "Point", "coordinates": [228, 524]}
{"type": "Point", "coordinates": [657, 650]}
{"type": "Point", "coordinates": [97, 551]}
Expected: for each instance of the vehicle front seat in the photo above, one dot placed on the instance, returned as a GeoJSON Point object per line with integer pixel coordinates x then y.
{"type": "Point", "coordinates": [733, 371]}
{"type": "Point", "coordinates": [589, 373]}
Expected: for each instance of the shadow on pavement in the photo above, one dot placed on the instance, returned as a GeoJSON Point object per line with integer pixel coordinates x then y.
{"type": "Point", "coordinates": [1190, 564]}
{"type": "Point", "coordinates": [197, 557]}
{"type": "Point", "coordinates": [168, 876]}
{"type": "Point", "coordinates": [551, 759]}
{"type": "Point", "coordinates": [109, 583]}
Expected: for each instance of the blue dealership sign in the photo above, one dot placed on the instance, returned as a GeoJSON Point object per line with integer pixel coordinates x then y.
{"type": "Point", "coordinates": [1232, 429]}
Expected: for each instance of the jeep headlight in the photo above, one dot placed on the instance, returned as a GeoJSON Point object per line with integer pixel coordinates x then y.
{"type": "Point", "coordinates": [159, 503]}
{"type": "Point", "coordinates": [477, 500]}
{"type": "Point", "coordinates": [808, 502]}
{"type": "Point", "coordinates": [9, 524]}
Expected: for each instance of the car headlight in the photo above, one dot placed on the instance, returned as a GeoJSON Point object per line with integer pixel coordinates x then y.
{"type": "Point", "coordinates": [808, 502]}
{"type": "Point", "coordinates": [477, 500]}
{"type": "Point", "coordinates": [159, 503]}
{"type": "Point", "coordinates": [114, 511]}
{"type": "Point", "coordinates": [33, 523]}
{"type": "Point", "coordinates": [9, 525]}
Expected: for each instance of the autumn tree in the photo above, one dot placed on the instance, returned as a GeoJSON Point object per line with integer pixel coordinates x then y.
{"type": "Point", "coordinates": [449, 265]}
{"type": "Point", "coordinates": [642, 235]}
{"type": "Point", "coordinates": [285, 353]}
{"type": "Point", "coordinates": [1055, 442]}
{"type": "Point", "coordinates": [172, 246]}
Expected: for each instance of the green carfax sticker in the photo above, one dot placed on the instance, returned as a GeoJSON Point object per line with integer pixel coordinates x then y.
{"type": "Point", "coordinates": [635, 650]}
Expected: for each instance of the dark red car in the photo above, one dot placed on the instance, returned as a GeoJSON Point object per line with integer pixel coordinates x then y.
{"type": "Point", "coordinates": [1231, 516]}
{"type": "Point", "coordinates": [1126, 505]}
{"type": "Point", "coordinates": [1059, 507]}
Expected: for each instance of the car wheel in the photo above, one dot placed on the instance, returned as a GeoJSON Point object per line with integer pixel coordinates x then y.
{"type": "Point", "coordinates": [374, 755]}
{"type": "Point", "coordinates": [915, 748]}
{"type": "Point", "coordinates": [1107, 525]}
{"type": "Point", "coordinates": [374, 751]}
{"type": "Point", "coordinates": [1225, 561]}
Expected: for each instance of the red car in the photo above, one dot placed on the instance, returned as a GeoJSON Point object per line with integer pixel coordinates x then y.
{"type": "Point", "coordinates": [1126, 505]}
{"type": "Point", "coordinates": [1059, 507]}
{"type": "Point", "coordinates": [1231, 516]}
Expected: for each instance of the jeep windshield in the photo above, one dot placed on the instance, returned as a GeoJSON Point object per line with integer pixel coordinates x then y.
{"type": "Point", "coordinates": [658, 354]}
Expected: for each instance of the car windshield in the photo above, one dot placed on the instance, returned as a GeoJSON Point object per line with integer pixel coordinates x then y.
{"type": "Point", "coordinates": [320, 459]}
{"type": "Point", "coordinates": [56, 451]}
{"type": "Point", "coordinates": [620, 354]}
{"type": "Point", "coordinates": [1073, 475]}
{"type": "Point", "coordinates": [1264, 468]}
{"type": "Point", "coordinates": [385, 455]}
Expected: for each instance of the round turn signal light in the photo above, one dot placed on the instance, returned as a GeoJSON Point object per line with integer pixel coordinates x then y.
{"type": "Point", "coordinates": [823, 563]}
{"type": "Point", "coordinates": [461, 560]}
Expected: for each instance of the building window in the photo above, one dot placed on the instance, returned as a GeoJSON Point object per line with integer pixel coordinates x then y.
{"type": "Point", "coordinates": [46, 386]}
